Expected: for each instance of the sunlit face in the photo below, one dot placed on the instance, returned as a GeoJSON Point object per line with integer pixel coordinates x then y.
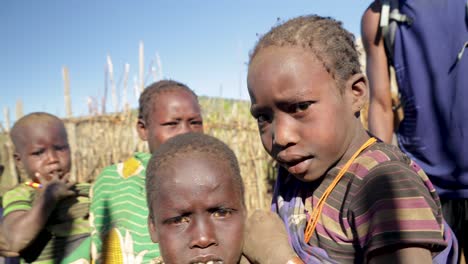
{"type": "Point", "coordinates": [44, 149]}
{"type": "Point", "coordinates": [305, 122]}
{"type": "Point", "coordinates": [198, 212]}
{"type": "Point", "coordinates": [173, 112]}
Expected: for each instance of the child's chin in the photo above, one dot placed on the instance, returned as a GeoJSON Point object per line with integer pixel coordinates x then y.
{"type": "Point", "coordinates": [307, 177]}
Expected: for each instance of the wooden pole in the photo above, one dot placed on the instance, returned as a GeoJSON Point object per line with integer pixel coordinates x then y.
{"type": "Point", "coordinates": [66, 85]}
{"type": "Point", "coordinates": [125, 87]}
{"type": "Point", "coordinates": [142, 67]}
{"type": "Point", "coordinates": [159, 65]}
{"type": "Point", "coordinates": [6, 114]}
{"type": "Point", "coordinates": [110, 70]}
{"type": "Point", "coordinates": [103, 102]}
{"type": "Point", "coordinates": [19, 109]}
{"type": "Point", "coordinates": [9, 179]}
{"type": "Point", "coordinates": [154, 73]}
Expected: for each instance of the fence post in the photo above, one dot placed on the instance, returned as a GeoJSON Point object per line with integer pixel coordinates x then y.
{"type": "Point", "coordinates": [9, 179]}
{"type": "Point", "coordinates": [66, 83]}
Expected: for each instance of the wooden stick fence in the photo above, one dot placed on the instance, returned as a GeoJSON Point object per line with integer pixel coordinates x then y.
{"type": "Point", "coordinates": [99, 141]}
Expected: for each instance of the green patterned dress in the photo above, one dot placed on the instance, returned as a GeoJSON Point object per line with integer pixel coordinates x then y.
{"type": "Point", "coordinates": [119, 214]}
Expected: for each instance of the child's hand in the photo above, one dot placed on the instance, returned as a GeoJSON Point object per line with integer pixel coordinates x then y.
{"type": "Point", "coordinates": [57, 187]}
{"type": "Point", "coordinates": [266, 239]}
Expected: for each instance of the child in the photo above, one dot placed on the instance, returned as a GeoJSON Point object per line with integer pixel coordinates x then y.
{"type": "Point", "coordinates": [4, 247]}
{"type": "Point", "coordinates": [343, 197]}
{"type": "Point", "coordinates": [196, 204]}
{"type": "Point", "coordinates": [118, 207]}
{"type": "Point", "coordinates": [46, 220]}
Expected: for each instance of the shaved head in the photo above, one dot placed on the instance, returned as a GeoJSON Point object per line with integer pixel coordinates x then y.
{"type": "Point", "coordinates": [21, 129]}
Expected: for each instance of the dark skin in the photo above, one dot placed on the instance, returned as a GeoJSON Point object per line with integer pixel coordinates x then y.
{"type": "Point", "coordinates": [173, 112]}
{"type": "Point", "coordinates": [198, 214]}
{"type": "Point", "coordinates": [45, 156]}
{"type": "Point", "coordinates": [273, 248]}
{"type": "Point", "coordinates": [381, 115]}
{"type": "Point", "coordinates": [308, 124]}
{"type": "Point", "coordinates": [305, 122]}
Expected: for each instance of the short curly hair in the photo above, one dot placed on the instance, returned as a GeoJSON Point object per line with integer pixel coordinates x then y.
{"type": "Point", "coordinates": [325, 37]}
{"type": "Point", "coordinates": [189, 144]}
{"type": "Point", "coordinates": [152, 91]}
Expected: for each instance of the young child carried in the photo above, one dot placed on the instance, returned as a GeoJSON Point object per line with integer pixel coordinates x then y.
{"type": "Point", "coordinates": [46, 219]}
{"type": "Point", "coordinates": [344, 196]}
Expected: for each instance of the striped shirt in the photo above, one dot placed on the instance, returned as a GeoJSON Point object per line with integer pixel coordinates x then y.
{"type": "Point", "coordinates": [65, 238]}
{"type": "Point", "coordinates": [119, 214]}
{"type": "Point", "coordinates": [384, 199]}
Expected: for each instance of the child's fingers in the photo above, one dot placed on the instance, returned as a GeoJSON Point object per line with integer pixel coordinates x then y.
{"type": "Point", "coordinates": [39, 177]}
{"type": "Point", "coordinates": [69, 193]}
{"type": "Point", "coordinates": [56, 175]}
{"type": "Point", "coordinates": [66, 177]}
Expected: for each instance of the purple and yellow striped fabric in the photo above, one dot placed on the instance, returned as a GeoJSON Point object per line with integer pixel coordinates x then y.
{"type": "Point", "coordinates": [383, 200]}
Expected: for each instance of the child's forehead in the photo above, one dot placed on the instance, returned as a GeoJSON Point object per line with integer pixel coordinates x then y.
{"type": "Point", "coordinates": [191, 175]}
{"type": "Point", "coordinates": [44, 129]}
{"type": "Point", "coordinates": [172, 93]}
{"type": "Point", "coordinates": [197, 168]}
{"type": "Point", "coordinates": [293, 69]}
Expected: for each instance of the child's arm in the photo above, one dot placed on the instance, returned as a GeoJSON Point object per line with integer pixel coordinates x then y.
{"type": "Point", "coordinates": [4, 247]}
{"type": "Point", "coordinates": [411, 255]}
{"type": "Point", "coordinates": [21, 227]}
{"type": "Point", "coordinates": [266, 240]}
{"type": "Point", "coordinates": [396, 215]}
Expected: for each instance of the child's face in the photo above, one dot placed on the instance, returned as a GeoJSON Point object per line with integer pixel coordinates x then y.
{"type": "Point", "coordinates": [44, 150]}
{"type": "Point", "coordinates": [198, 215]}
{"type": "Point", "coordinates": [305, 122]}
{"type": "Point", "coordinates": [173, 112]}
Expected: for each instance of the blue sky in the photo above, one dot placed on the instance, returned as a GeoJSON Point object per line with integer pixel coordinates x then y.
{"type": "Point", "coordinates": [204, 44]}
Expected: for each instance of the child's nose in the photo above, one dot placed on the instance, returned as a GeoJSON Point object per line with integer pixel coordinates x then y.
{"type": "Point", "coordinates": [52, 156]}
{"type": "Point", "coordinates": [284, 132]}
{"type": "Point", "coordinates": [185, 127]}
{"type": "Point", "coordinates": [203, 235]}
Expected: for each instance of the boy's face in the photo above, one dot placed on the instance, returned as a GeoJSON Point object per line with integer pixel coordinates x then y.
{"type": "Point", "coordinates": [198, 215]}
{"type": "Point", "coordinates": [173, 112]}
{"type": "Point", "coordinates": [44, 150]}
{"type": "Point", "coordinates": [305, 122]}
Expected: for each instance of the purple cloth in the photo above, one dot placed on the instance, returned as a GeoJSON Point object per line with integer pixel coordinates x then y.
{"type": "Point", "coordinates": [306, 252]}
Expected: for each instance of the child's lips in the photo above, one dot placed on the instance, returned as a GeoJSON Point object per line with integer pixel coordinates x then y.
{"type": "Point", "coordinates": [297, 166]}
{"type": "Point", "coordinates": [209, 259]}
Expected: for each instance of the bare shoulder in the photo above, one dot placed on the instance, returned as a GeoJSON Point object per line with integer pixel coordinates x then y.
{"type": "Point", "coordinates": [370, 23]}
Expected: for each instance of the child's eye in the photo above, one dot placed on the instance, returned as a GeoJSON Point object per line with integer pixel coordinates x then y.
{"type": "Point", "coordinates": [196, 122]}
{"type": "Point", "coordinates": [222, 212]}
{"type": "Point", "coordinates": [178, 220]}
{"type": "Point", "coordinates": [38, 152]}
{"type": "Point", "coordinates": [262, 118]}
{"type": "Point", "coordinates": [300, 107]}
{"type": "Point", "coordinates": [61, 148]}
{"type": "Point", "coordinates": [170, 123]}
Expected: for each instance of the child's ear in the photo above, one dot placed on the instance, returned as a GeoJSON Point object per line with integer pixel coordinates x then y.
{"type": "Point", "coordinates": [358, 86]}
{"type": "Point", "coordinates": [142, 129]}
{"type": "Point", "coordinates": [152, 230]}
